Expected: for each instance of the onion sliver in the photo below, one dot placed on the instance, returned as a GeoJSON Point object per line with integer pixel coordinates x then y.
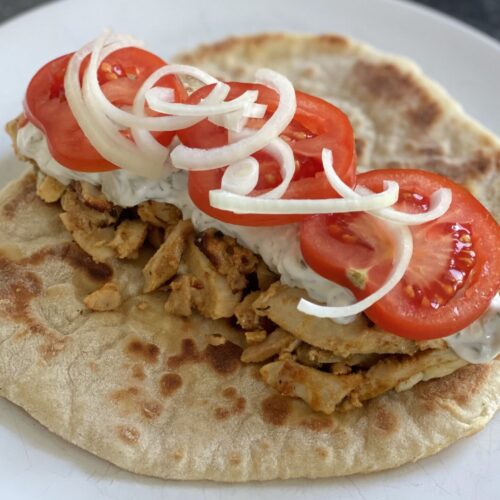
{"type": "Point", "coordinates": [440, 200]}
{"type": "Point", "coordinates": [157, 103]}
{"type": "Point", "coordinates": [404, 250]}
{"type": "Point", "coordinates": [241, 177]}
{"type": "Point", "coordinates": [282, 152]}
{"type": "Point", "coordinates": [202, 159]}
{"type": "Point", "coordinates": [146, 141]}
{"type": "Point", "coordinates": [256, 205]}
{"type": "Point", "coordinates": [105, 138]}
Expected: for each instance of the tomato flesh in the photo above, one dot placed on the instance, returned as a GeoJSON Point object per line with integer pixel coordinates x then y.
{"type": "Point", "coordinates": [120, 76]}
{"type": "Point", "coordinates": [454, 271]}
{"type": "Point", "coordinates": [316, 125]}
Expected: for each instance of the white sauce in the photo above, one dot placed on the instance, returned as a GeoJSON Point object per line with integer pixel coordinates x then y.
{"type": "Point", "coordinates": [479, 342]}
{"type": "Point", "coordinates": [278, 246]}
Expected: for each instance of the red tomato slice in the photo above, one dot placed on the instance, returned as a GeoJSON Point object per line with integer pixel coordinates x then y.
{"type": "Point", "coordinates": [454, 272]}
{"type": "Point", "coordinates": [120, 75]}
{"type": "Point", "coordinates": [317, 124]}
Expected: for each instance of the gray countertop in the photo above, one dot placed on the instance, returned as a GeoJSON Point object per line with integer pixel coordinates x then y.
{"type": "Point", "coordinates": [482, 14]}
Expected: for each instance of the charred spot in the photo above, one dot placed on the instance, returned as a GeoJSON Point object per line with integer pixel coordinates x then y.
{"type": "Point", "coordinates": [383, 81]}
{"type": "Point", "coordinates": [360, 145]}
{"type": "Point", "coordinates": [170, 383]}
{"type": "Point", "coordinates": [189, 354]}
{"type": "Point", "coordinates": [138, 372]}
{"type": "Point", "coordinates": [424, 115]}
{"type": "Point", "coordinates": [230, 392]}
{"type": "Point", "coordinates": [151, 409]}
{"type": "Point", "coordinates": [144, 350]}
{"type": "Point", "coordinates": [26, 195]}
{"type": "Point", "coordinates": [276, 409]}
{"type": "Point", "coordinates": [75, 257]}
{"type": "Point", "coordinates": [237, 408]}
{"type": "Point", "coordinates": [317, 424]}
{"type": "Point", "coordinates": [385, 420]}
{"type": "Point", "coordinates": [222, 413]}
{"type": "Point", "coordinates": [223, 358]}
{"type": "Point", "coordinates": [128, 434]}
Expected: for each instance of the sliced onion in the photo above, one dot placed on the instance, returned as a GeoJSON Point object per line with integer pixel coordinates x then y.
{"type": "Point", "coordinates": [440, 200]}
{"type": "Point", "coordinates": [282, 152]}
{"type": "Point", "coordinates": [145, 140]}
{"type": "Point", "coordinates": [103, 134]}
{"type": "Point", "coordinates": [157, 103]}
{"type": "Point", "coordinates": [202, 159]}
{"type": "Point", "coordinates": [404, 250]}
{"type": "Point", "coordinates": [256, 205]}
{"type": "Point", "coordinates": [241, 177]}
{"type": "Point", "coordinates": [237, 120]}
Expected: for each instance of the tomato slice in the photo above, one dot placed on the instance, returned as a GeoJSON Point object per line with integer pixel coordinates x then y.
{"type": "Point", "coordinates": [317, 124]}
{"type": "Point", "coordinates": [120, 76]}
{"type": "Point", "coordinates": [454, 272]}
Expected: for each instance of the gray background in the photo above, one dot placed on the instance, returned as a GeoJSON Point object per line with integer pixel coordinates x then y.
{"type": "Point", "coordinates": [483, 14]}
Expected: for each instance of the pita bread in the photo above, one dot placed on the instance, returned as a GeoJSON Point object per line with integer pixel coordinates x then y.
{"type": "Point", "coordinates": [145, 390]}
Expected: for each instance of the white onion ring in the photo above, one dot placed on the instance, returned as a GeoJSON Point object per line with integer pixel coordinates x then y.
{"type": "Point", "coordinates": [202, 159]}
{"type": "Point", "coordinates": [241, 177]}
{"type": "Point", "coordinates": [440, 200]}
{"type": "Point", "coordinates": [404, 251]}
{"type": "Point", "coordinates": [104, 135]}
{"type": "Point", "coordinates": [256, 205]}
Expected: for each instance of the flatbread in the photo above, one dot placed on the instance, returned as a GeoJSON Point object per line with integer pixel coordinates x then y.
{"type": "Point", "coordinates": [146, 391]}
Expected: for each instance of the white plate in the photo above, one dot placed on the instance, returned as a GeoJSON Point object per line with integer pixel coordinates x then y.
{"type": "Point", "coordinates": [36, 464]}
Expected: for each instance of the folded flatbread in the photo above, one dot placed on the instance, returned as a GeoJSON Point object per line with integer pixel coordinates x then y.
{"type": "Point", "coordinates": [167, 395]}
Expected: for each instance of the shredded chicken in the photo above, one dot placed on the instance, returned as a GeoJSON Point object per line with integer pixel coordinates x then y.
{"type": "Point", "coordinates": [215, 299]}
{"type": "Point", "coordinates": [85, 218]}
{"type": "Point", "coordinates": [93, 240]}
{"type": "Point", "coordinates": [182, 297]}
{"type": "Point", "coordinates": [279, 304]}
{"type": "Point", "coordinates": [165, 262]}
{"type": "Point", "coordinates": [229, 258]}
{"type": "Point", "coordinates": [92, 197]}
{"type": "Point", "coordinates": [272, 345]}
{"type": "Point", "coordinates": [321, 391]}
{"type": "Point", "coordinates": [106, 298]}
{"type": "Point", "coordinates": [159, 214]}
{"type": "Point", "coordinates": [403, 372]}
{"type": "Point", "coordinates": [245, 314]}
{"type": "Point", "coordinates": [49, 189]}
{"type": "Point", "coordinates": [129, 237]}
{"type": "Point", "coordinates": [255, 336]}
{"type": "Point", "coordinates": [265, 277]}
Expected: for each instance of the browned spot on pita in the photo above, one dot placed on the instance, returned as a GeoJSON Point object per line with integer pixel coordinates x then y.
{"type": "Point", "coordinates": [138, 372]}
{"type": "Point", "coordinates": [235, 459]}
{"type": "Point", "coordinates": [27, 194]}
{"type": "Point", "coordinates": [360, 146]}
{"type": "Point", "coordinates": [321, 452]}
{"type": "Point", "coordinates": [425, 114]}
{"type": "Point", "coordinates": [189, 354]}
{"type": "Point", "coordinates": [75, 257]}
{"type": "Point", "coordinates": [317, 424]}
{"type": "Point", "coordinates": [52, 349]}
{"type": "Point", "coordinates": [276, 409]}
{"type": "Point", "coordinates": [383, 81]}
{"type": "Point", "coordinates": [333, 40]}
{"type": "Point", "coordinates": [224, 358]}
{"type": "Point", "coordinates": [151, 409]}
{"type": "Point", "coordinates": [238, 404]}
{"type": "Point", "coordinates": [144, 350]}
{"type": "Point", "coordinates": [386, 421]}
{"type": "Point", "coordinates": [458, 387]}
{"type": "Point", "coordinates": [169, 383]}
{"type": "Point", "coordinates": [178, 455]}
{"type": "Point", "coordinates": [128, 434]}
{"type": "Point", "coordinates": [230, 392]}
{"type": "Point", "coordinates": [476, 167]}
